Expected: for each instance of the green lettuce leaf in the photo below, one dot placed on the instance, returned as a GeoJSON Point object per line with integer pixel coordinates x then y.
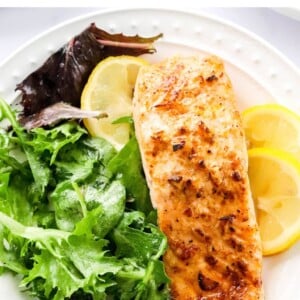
{"type": "Point", "coordinates": [127, 163]}
{"type": "Point", "coordinates": [73, 213]}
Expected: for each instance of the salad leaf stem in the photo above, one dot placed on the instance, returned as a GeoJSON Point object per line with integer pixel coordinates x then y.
{"type": "Point", "coordinates": [80, 198]}
{"type": "Point", "coordinates": [29, 232]}
{"type": "Point", "coordinates": [6, 113]}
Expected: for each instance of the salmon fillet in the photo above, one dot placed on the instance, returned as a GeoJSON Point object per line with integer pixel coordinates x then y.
{"type": "Point", "coordinates": [195, 161]}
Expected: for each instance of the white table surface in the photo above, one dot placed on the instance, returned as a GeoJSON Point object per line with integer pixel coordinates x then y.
{"type": "Point", "coordinates": [18, 25]}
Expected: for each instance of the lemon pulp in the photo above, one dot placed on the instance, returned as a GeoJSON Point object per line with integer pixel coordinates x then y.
{"type": "Point", "coordinates": [272, 126]}
{"type": "Point", "coordinates": [275, 184]}
{"type": "Point", "coordinates": [110, 89]}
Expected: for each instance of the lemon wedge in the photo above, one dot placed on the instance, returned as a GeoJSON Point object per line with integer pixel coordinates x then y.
{"type": "Point", "coordinates": [110, 89]}
{"type": "Point", "coordinates": [272, 125]}
{"type": "Point", "coordinates": [275, 184]}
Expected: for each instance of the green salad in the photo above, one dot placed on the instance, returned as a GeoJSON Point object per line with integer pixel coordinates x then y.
{"type": "Point", "coordinates": [76, 221]}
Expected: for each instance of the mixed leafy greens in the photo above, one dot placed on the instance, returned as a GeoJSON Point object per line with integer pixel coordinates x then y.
{"type": "Point", "coordinates": [75, 221]}
{"type": "Point", "coordinates": [64, 74]}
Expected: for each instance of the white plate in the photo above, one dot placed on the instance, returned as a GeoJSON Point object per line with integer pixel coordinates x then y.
{"type": "Point", "coordinates": [259, 74]}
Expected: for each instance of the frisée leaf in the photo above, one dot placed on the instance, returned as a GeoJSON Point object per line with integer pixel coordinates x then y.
{"type": "Point", "coordinates": [67, 224]}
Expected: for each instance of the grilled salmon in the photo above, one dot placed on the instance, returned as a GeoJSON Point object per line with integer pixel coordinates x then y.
{"type": "Point", "coordinates": [195, 161]}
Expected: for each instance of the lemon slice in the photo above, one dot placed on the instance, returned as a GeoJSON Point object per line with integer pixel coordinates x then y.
{"type": "Point", "coordinates": [274, 126]}
{"type": "Point", "coordinates": [275, 184]}
{"type": "Point", "coordinates": [110, 89]}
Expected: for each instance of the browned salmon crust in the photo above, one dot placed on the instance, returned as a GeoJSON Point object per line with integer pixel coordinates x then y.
{"type": "Point", "coordinates": [195, 160]}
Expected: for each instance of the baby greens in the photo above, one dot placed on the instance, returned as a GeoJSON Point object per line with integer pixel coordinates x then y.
{"type": "Point", "coordinates": [75, 216]}
{"type": "Point", "coordinates": [64, 74]}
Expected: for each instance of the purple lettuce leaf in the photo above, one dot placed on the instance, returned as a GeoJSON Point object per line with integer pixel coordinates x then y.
{"type": "Point", "coordinates": [57, 112]}
{"type": "Point", "coordinates": [63, 75]}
